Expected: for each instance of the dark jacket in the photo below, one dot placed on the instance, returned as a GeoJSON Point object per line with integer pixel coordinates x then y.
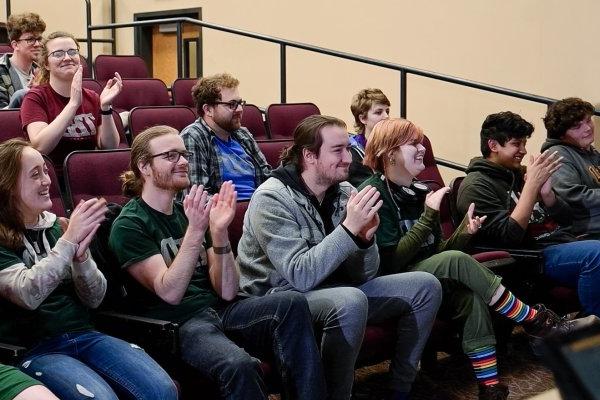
{"type": "Point", "coordinates": [495, 191]}
{"type": "Point", "coordinates": [578, 183]}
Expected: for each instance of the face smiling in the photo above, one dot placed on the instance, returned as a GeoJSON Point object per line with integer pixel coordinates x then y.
{"type": "Point", "coordinates": [65, 67]}
{"type": "Point", "coordinates": [167, 175]}
{"type": "Point", "coordinates": [511, 154]}
{"type": "Point", "coordinates": [29, 51]}
{"type": "Point", "coordinates": [33, 185]}
{"type": "Point", "coordinates": [333, 163]}
{"type": "Point", "coordinates": [408, 158]}
{"type": "Point", "coordinates": [581, 134]}
{"type": "Point", "coordinates": [376, 113]}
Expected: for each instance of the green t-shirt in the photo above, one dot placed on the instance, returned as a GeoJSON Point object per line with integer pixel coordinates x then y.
{"type": "Point", "coordinates": [61, 312]}
{"type": "Point", "coordinates": [141, 232]}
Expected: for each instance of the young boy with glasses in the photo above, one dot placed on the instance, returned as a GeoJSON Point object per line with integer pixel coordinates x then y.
{"type": "Point", "coordinates": [17, 69]}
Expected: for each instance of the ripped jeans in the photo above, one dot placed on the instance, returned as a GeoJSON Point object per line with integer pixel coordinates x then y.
{"type": "Point", "coordinates": [89, 364]}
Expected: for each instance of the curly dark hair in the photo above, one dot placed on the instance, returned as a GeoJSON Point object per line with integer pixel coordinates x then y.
{"type": "Point", "coordinates": [208, 90]}
{"type": "Point", "coordinates": [565, 114]}
{"type": "Point", "coordinates": [502, 127]}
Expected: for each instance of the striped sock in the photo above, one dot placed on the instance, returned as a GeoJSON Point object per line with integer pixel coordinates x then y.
{"type": "Point", "coordinates": [513, 308]}
{"type": "Point", "coordinates": [485, 365]}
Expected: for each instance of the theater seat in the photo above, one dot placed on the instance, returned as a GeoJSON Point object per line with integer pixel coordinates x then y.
{"type": "Point", "coordinates": [10, 125]}
{"type": "Point", "coordinates": [128, 66]}
{"type": "Point", "coordinates": [141, 92]}
{"type": "Point", "coordinates": [272, 149]}
{"type": "Point", "coordinates": [181, 90]}
{"type": "Point", "coordinates": [143, 117]}
{"type": "Point", "coordinates": [283, 118]}
{"type": "Point", "coordinates": [252, 119]}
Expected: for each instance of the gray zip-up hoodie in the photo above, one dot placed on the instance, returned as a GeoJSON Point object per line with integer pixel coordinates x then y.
{"type": "Point", "coordinates": [287, 244]}
{"type": "Point", "coordinates": [578, 183]}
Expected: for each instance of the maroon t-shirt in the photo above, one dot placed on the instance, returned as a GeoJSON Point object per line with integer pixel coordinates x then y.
{"type": "Point", "coordinates": [42, 103]}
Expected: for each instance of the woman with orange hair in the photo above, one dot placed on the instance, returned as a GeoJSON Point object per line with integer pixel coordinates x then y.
{"type": "Point", "coordinates": [410, 239]}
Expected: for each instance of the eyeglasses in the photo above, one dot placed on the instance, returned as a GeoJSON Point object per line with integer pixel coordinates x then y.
{"type": "Point", "coordinates": [30, 41]}
{"type": "Point", "coordinates": [173, 155]}
{"type": "Point", "coordinates": [233, 104]}
{"type": "Point", "coordinates": [59, 54]}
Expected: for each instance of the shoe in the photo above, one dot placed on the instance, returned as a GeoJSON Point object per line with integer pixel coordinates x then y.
{"type": "Point", "coordinates": [547, 322]}
{"type": "Point", "coordinates": [495, 392]}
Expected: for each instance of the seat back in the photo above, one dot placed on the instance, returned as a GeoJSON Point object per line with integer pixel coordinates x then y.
{"type": "Point", "coordinates": [252, 119]}
{"type": "Point", "coordinates": [272, 149]}
{"type": "Point", "coordinates": [10, 124]}
{"type": "Point", "coordinates": [142, 92]}
{"type": "Point", "coordinates": [95, 173]}
{"type": "Point", "coordinates": [127, 66]}
{"type": "Point", "coordinates": [5, 48]}
{"type": "Point", "coordinates": [237, 225]}
{"type": "Point", "coordinates": [431, 175]}
{"type": "Point", "coordinates": [282, 119]}
{"type": "Point", "coordinates": [453, 200]}
{"type": "Point", "coordinates": [58, 205]}
{"type": "Point", "coordinates": [181, 90]}
{"type": "Point", "coordinates": [123, 142]}
{"type": "Point", "coordinates": [144, 117]}
{"type": "Point", "coordinates": [92, 84]}
{"type": "Point", "coordinates": [86, 73]}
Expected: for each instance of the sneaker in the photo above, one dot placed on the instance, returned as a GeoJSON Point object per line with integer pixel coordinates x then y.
{"type": "Point", "coordinates": [495, 392]}
{"type": "Point", "coordinates": [547, 322]}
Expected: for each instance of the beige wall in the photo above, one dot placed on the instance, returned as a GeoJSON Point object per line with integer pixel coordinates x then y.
{"type": "Point", "coordinates": [544, 47]}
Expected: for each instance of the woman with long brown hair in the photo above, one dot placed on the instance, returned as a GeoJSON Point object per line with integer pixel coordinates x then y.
{"type": "Point", "coordinates": [48, 283]}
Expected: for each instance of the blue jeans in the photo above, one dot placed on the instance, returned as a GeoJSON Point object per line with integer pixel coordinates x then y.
{"type": "Point", "coordinates": [90, 364]}
{"type": "Point", "coordinates": [411, 298]}
{"type": "Point", "coordinates": [577, 265]}
{"type": "Point", "coordinates": [222, 344]}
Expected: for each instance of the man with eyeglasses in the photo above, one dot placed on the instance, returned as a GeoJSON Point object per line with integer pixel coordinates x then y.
{"type": "Point", "coordinates": [178, 265]}
{"type": "Point", "coordinates": [224, 150]}
{"type": "Point", "coordinates": [17, 69]}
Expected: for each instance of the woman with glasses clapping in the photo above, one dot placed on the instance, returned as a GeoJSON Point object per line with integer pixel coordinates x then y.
{"type": "Point", "coordinates": [58, 114]}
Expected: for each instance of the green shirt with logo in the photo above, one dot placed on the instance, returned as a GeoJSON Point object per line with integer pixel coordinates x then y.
{"type": "Point", "coordinates": [141, 232]}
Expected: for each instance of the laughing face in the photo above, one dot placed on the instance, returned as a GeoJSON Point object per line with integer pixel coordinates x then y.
{"type": "Point", "coordinates": [60, 64]}
{"type": "Point", "coordinates": [581, 134]}
{"type": "Point", "coordinates": [166, 174]}
{"type": "Point", "coordinates": [33, 185]}
{"type": "Point", "coordinates": [511, 154]}
{"type": "Point", "coordinates": [333, 163]}
{"type": "Point", "coordinates": [409, 158]}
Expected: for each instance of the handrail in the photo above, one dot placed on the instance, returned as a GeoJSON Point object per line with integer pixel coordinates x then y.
{"type": "Point", "coordinates": [283, 43]}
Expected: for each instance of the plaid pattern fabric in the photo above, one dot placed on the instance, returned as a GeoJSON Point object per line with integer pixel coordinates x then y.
{"type": "Point", "coordinates": [205, 164]}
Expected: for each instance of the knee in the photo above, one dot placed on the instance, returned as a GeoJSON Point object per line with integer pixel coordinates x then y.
{"type": "Point", "coordinates": [429, 286]}
{"type": "Point", "coordinates": [236, 367]}
{"type": "Point", "coordinates": [161, 387]}
{"type": "Point", "coordinates": [352, 300]}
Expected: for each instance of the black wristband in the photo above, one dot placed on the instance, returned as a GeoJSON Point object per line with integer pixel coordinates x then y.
{"type": "Point", "coordinates": [222, 250]}
{"type": "Point", "coordinates": [107, 112]}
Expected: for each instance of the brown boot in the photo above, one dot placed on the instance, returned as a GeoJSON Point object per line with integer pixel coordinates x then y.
{"type": "Point", "coordinates": [495, 392]}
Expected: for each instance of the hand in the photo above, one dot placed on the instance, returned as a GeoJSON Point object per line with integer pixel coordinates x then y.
{"type": "Point", "coordinates": [76, 85]}
{"type": "Point", "coordinates": [197, 209]}
{"type": "Point", "coordinates": [84, 219]}
{"type": "Point", "coordinates": [223, 207]}
{"type": "Point", "coordinates": [540, 170]}
{"type": "Point", "coordinates": [367, 232]}
{"type": "Point", "coordinates": [433, 200]}
{"type": "Point", "coordinates": [111, 90]}
{"type": "Point", "coordinates": [474, 224]}
{"type": "Point", "coordinates": [81, 254]}
{"type": "Point", "coordinates": [361, 209]}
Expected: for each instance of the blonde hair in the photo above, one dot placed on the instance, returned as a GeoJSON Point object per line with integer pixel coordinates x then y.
{"type": "Point", "coordinates": [388, 135]}
{"type": "Point", "coordinates": [43, 75]}
{"type": "Point", "coordinates": [132, 181]}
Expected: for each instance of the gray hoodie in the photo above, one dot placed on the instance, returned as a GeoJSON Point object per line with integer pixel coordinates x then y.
{"type": "Point", "coordinates": [288, 245]}
{"type": "Point", "coordinates": [578, 183]}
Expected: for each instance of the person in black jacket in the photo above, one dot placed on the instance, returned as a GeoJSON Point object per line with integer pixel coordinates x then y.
{"type": "Point", "coordinates": [523, 210]}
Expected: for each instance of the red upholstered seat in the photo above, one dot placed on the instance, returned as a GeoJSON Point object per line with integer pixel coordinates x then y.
{"type": "Point", "coordinates": [144, 117]}
{"type": "Point", "coordinates": [282, 119]}
{"type": "Point", "coordinates": [5, 48]}
{"type": "Point", "coordinates": [252, 119]}
{"type": "Point", "coordinates": [58, 205]}
{"type": "Point", "coordinates": [10, 124]}
{"type": "Point", "coordinates": [272, 149]}
{"type": "Point", "coordinates": [127, 66]}
{"type": "Point", "coordinates": [142, 92]}
{"type": "Point", "coordinates": [92, 84]}
{"type": "Point", "coordinates": [181, 90]}
{"type": "Point", "coordinates": [95, 173]}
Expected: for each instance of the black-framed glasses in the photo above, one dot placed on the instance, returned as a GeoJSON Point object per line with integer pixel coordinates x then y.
{"type": "Point", "coordinates": [61, 53]}
{"type": "Point", "coordinates": [30, 41]}
{"type": "Point", "coordinates": [233, 104]}
{"type": "Point", "coordinates": [174, 155]}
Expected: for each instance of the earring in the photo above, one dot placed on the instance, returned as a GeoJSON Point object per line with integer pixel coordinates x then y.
{"type": "Point", "coordinates": [392, 161]}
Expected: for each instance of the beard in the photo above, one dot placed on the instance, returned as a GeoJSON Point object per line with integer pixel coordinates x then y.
{"type": "Point", "coordinates": [329, 178]}
{"type": "Point", "coordinates": [229, 124]}
{"type": "Point", "coordinates": [167, 181]}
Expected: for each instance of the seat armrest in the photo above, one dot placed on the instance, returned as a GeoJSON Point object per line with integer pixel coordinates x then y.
{"type": "Point", "coordinates": [151, 333]}
{"type": "Point", "coordinates": [9, 353]}
{"type": "Point", "coordinates": [533, 257]}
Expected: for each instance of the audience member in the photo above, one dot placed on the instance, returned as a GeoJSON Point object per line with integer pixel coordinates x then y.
{"type": "Point", "coordinates": [17, 69]}
{"type": "Point", "coordinates": [58, 115]}
{"type": "Point", "coordinates": [181, 268]}
{"type": "Point", "coordinates": [223, 149]}
{"type": "Point", "coordinates": [571, 135]}
{"type": "Point", "coordinates": [369, 106]}
{"type": "Point", "coordinates": [501, 190]}
{"type": "Point", "coordinates": [48, 283]}
{"type": "Point", "coordinates": [16, 385]}
{"type": "Point", "coordinates": [410, 239]}
{"type": "Point", "coordinates": [307, 230]}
